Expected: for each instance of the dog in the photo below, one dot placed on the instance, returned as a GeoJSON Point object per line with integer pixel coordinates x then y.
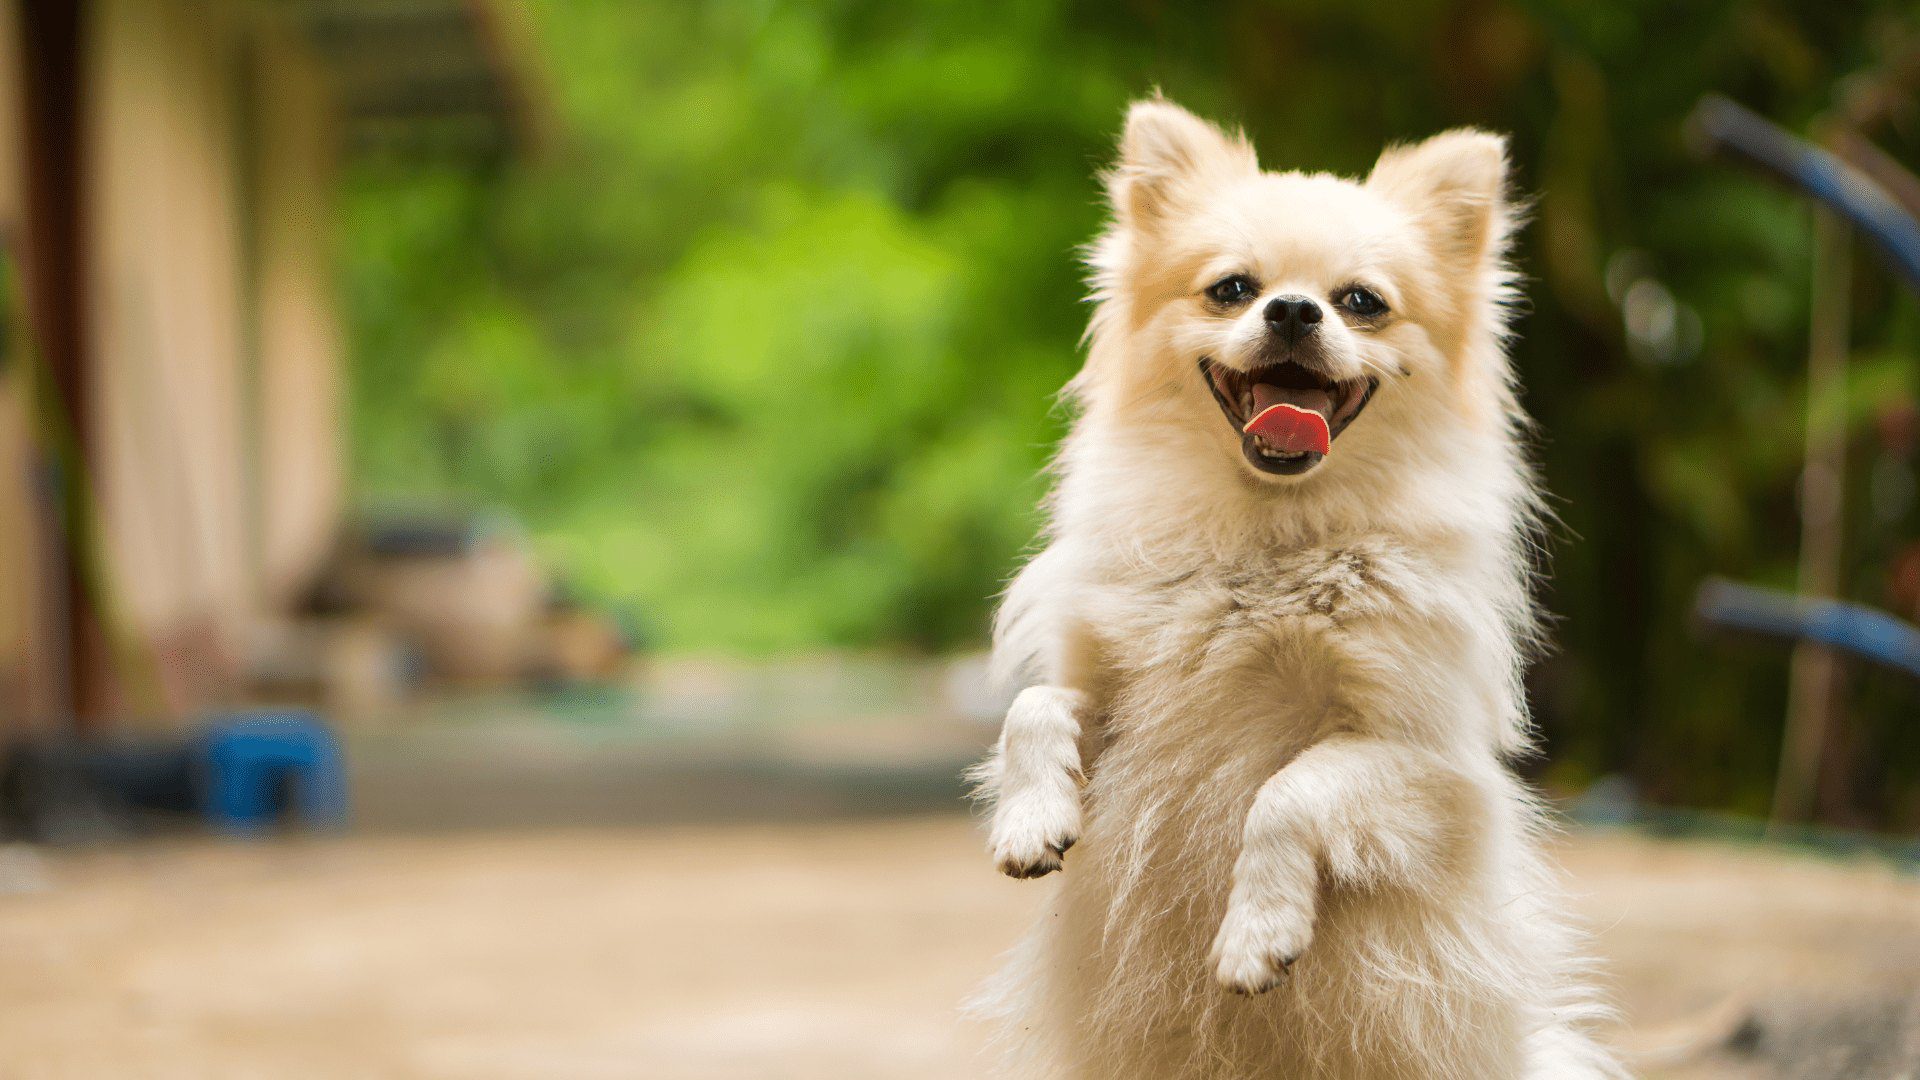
{"type": "Point", "coordinates": [1273, 643]}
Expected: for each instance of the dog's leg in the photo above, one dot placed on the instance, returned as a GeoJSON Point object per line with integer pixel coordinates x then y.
{"type": "Point", "coordinates": [1035, 776]}
{"type": "Point", "coordinates": [1366, 812]}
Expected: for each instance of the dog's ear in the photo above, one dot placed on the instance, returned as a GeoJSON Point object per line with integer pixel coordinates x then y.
{"type": "Point", "coordinates": [1166, 155]}
{"type": "Point", "coordinates": [1455, 186]}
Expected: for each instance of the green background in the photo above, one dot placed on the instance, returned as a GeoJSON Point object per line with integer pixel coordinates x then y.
{"type": "Point", "coordinates": [762, 347]}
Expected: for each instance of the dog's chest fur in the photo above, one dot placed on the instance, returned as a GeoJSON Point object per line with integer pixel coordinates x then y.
{"type": "Point", "coordinates": [1276, 630]}
{"type": "Point", "coordinates": [1218, 675]}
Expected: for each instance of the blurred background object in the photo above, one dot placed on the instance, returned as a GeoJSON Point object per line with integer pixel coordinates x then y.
{"type": "Point", "coordinates": [171, 206]}
{"type": "Point", "coordinates": [1866, 193]}
{"type": "Point", "coordinates": [853, 228]}
{"type": "Point", "coordinates": [413, 368]}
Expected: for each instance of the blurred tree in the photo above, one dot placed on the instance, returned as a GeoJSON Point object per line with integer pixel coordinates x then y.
{"type": "Point", "coordinates": [766, 348]}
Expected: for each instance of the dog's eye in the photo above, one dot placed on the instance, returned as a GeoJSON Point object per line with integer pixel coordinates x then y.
{"type": "Point", "coordinates": [1362, 301]}
{"type": "Point", "coordinates": [1234, 289]}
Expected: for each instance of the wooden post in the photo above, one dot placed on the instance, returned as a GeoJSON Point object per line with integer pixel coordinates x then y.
{"type": "Point", "coordinates": [1813, 678]}
{"type": "Point", "coordinates": [52, 38]}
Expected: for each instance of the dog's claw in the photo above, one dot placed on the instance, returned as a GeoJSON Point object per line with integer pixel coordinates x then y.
{"type": "Point", "coordinates": [1279, 968]}
{"type": "Point", "coordinates": [1029, 871]}
{"type": "Point", "coordinates": [1040, 865]}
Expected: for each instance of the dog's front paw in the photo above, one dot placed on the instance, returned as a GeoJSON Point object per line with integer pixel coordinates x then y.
{"type": "Point", "coordinates": [1258, 943]}
{"type": "Point", "coordinates": [1033, 828]}
{"type": "Point", "coordinates": [1034, 777]}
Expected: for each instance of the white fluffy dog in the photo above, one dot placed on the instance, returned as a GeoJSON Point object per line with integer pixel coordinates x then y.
{"type": "Point", "coordinates": [1276, 635]}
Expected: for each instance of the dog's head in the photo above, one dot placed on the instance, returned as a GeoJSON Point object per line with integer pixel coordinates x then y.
{"type": "Point", "coordinates": [1300, 318]}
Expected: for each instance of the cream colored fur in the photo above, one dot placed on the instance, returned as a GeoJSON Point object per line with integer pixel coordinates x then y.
{"type": "Point", "coordinates": [1275, 712]}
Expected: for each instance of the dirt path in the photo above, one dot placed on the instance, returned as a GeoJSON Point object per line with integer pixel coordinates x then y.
{"type": "Point", "coordinates": [718, 952]}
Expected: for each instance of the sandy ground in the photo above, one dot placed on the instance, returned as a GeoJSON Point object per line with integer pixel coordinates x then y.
{"type": "Point", "coordinates": [727, 951]}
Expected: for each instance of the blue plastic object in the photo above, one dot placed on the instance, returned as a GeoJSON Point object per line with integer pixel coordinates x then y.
{"type": "Point", "coordinates": [1853, 628]}
{"type": "Point", "coordinates": [1720, 124]}
{"type": "Point", "coordinates": [255, 767]}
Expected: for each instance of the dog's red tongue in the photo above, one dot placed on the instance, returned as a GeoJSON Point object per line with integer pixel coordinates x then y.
{"type": "Point", "coordinates": [1291, 420]}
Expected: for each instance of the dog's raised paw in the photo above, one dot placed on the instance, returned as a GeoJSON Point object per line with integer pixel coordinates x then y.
{"type": "Point", "coordinates": [1032, 832]}
{"type": "Point", "coordinates": [1256, 947]}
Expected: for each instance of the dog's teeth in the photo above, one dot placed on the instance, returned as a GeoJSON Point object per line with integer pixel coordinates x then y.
{"type": "Point", "coordinates": [1267, 449]}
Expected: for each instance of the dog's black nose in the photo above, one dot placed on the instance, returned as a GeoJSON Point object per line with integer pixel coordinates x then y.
{"type": "Point", "coordinates": [1292, 317]}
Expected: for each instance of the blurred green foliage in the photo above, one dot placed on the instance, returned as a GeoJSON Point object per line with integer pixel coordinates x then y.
{"type": "Point", "coordinates": [763, 347]}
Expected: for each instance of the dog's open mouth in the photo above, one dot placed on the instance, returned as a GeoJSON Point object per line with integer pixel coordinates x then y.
{"type": "Point", "coordinates": [1287, 414]}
